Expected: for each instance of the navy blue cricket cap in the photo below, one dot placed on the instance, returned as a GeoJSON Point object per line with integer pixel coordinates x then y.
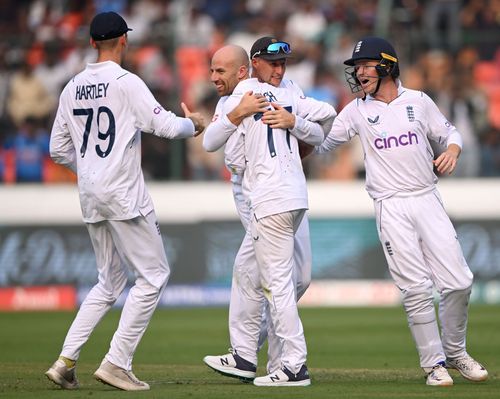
{"type": "Point", "coordinates": [107, 25]}
{"type": "Point", "coordinates": [270, 49]}
{"type": "Point", "coordinates": [372, 48]}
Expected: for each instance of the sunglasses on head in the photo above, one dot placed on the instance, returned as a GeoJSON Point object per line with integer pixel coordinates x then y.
{"type": "Point", "coordinates": [275, 48]}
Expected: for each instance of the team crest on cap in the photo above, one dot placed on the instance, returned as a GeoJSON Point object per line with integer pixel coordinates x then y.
{"type": "Point", "coordinates": [358, 46]}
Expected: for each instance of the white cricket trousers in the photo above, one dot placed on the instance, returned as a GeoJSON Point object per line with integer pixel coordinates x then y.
{"type": "Point", "coordinates": [422, 252]}
{"type": "Point", "coordinates": [273, 241]}
{"type": "Point", "coordinates": [138, 244]}
{"type": "Point", "coordinates": [247, 327]}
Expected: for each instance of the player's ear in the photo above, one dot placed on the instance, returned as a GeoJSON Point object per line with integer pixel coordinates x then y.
{"type": "Point", "coordinates": [93, 43]}
{"type": "Point", "coordinates": [242, 72]}
{"type": "Point", "coordinates": [123, 39]}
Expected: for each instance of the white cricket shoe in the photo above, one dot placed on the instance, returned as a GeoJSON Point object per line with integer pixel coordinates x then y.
{"type": "Point", "coordinates": [63, 375]}
{"type": "Point", "coordinates": [232, 365]}
{"type": "Point", "coordinates": [468, 367]}
{"type": "Point", "coordinates": [120, 378]}
{"type": "Point", "coordinates": [438, 376]}
{"type": "Point", "coordinates": [285, 378]}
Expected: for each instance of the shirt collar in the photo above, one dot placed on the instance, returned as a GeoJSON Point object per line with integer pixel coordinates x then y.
{"type": "Point", "coordinates": [401, 90]}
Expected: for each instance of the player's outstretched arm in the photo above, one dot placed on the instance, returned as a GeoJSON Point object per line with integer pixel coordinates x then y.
{"type": "Point", "coordinates": [217, 133]}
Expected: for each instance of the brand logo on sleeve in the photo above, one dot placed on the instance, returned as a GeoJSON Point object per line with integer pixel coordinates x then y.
{"type": "Point", "coordinates": [385, 141]}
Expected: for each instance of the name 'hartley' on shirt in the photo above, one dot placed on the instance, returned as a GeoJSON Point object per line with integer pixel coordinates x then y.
{"type": "Point", "coordinates": [90, 92]}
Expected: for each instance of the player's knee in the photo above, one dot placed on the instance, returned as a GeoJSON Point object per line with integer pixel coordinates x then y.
{"type": "Point", "coordinates": [460, 282]}
{"type": "Point", "coordinates": [464, 288]}
{"type": "Point", "coordinates": [161, 280]}
{"type": "Point", "coordinates": [418, 301]}
{"type": "Point", "coordinates": [110, 296]}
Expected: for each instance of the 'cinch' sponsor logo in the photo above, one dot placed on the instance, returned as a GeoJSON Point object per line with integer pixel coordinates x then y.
{"type": "Point", "coordinates": [393, 141]}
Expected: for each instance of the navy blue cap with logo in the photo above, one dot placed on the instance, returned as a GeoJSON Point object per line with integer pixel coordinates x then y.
{"type": "Point", "coordinates": [372, 48]}
{"type": "Point", "coordinates": [107, 25]}
{"type": "Point", "coordinates": [270, 49]}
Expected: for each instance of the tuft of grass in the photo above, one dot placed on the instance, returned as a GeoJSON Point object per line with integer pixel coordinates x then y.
{"type": "Point", "coordinates": [353, 353]}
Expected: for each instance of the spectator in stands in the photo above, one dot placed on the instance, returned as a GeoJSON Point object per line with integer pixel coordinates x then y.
{"type": "Point", "coordinates": [435, 13]}
{"type": "Point", "coordinates": [174, 39]}
{"type": "Point", "coordinates": [30, 150]}
{"type": "Point", "coordinates": [490, 153]}
{"type": "Point", "coordinates": [52, 71]}
{"type": "Point", "coordinates": [28, 96]}
{"type": "Point", "coordinates": [307, 22]}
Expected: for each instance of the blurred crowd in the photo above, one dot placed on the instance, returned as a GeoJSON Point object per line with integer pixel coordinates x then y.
{"type": "Point", "coordinates": [449, 49]}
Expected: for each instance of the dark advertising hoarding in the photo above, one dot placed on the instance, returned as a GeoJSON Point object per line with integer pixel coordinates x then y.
{"type": "Point", "coordinates": [203, 253]}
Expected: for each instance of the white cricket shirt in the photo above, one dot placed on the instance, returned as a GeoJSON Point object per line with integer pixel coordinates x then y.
{"type": "Point", "coordinates": [97, 133]}
{"type": "Point", "coordinates": [274, 178]}
{"type": "Point", "coordinates": [395, 140]}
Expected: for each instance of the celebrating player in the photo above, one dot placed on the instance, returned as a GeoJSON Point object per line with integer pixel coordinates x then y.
{"type": "Point", "coordinates": [422, 250]}
{"type": "Point", "coordinates": [247, 297]}
{"type": "Point", "coordinates": [97, 133]}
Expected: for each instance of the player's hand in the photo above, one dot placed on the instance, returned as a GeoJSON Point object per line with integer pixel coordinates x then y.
{"type": "Point", "coordinates": [279, 118]}
{"type": "Point", "coordinates": [447, 161]}
{"type": "Point", "coordinates": [196, 117]}
{"type": "Point", "coordinates": [251, 103]}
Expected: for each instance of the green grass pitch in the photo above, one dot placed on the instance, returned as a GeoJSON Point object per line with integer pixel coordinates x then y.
{"type": "Point", "coordinates": [353, 353]}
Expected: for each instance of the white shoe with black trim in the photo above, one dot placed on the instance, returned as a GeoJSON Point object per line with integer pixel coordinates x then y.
{"type": "Point", "coordinates": [285, 378]}
{"type": "Point", "coordinates": [468, 367]}
{"type": "Point", "coordinates": [232, 365]}
{"type": "Point", "coordinates": [439, 377]}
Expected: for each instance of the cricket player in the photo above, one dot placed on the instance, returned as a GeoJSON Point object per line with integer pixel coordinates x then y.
{"type": "Point", "coordinates": [97, 133]}
{"type": "Point", "coordinates": [230, 65]}
{"type": "Point", "coordinates": [395, 126]}
{"type": "Point", "coordinates": [268, 63]}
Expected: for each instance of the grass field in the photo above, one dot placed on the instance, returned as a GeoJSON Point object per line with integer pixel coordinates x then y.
{"type": "Point", "coordinates": [353, 353]}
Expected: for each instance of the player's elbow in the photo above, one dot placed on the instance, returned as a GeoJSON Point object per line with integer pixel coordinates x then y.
{"type": "Point", "coordinates": [208, 147]}
{"type": "Point", "coordinates": [57, 156]}
{"type": "Point", "coordinates": [314, 140]}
